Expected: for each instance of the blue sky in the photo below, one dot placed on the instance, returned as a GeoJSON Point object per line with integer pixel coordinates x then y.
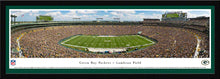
{"type": "Point", "coordinates": [106, 14]}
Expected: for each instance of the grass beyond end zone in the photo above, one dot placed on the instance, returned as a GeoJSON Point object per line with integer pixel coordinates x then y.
{"type": "Point", "coordinates": [125, 41]}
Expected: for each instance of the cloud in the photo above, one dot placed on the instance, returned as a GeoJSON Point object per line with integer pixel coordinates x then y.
{"type": "Point", "coordinates": [190, 15]}
{"type": "Point", "coordinates": [114, 13]}
{"type": "Point", "coordinates": [19, 13]}
{"type": "Point", "coordinates": [89, 15]}
{"type": "Point", "coordinates": [25, 12]}
{"type": "Point", "coordinates": [141, 13]}
{"type": "Point", "coordinates": [34, 13]}
{"type": "Point", "coordinates": [70, 15]}
{"type": "Point", "coordinates": [117, 14]}
{"type": "Point", "coordinates": [54, 13]}
{"type": "Point", "coordinates": [106, 11]}
{"type": "Point", "coordinates": [128, 12]}
{"type": "Point", "coordinates": [86, 11]}
{"type": "Point", "coordinates": [72, 12]}
{"type": "Point", "coordinates": [86, 15]}
{"type": "Point", "coordinates": [139, 17]}
{"type": "Point", "coordinates": [194, 14]}
{"type": "Point", "coordinates": [124, 12]}
{"type": "Point", "coordinates": [106, 15]}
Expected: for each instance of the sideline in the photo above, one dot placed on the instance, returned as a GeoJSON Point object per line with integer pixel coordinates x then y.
{"type": "Point", "coordinates": [197, 47]}
{"type": "Point", "coordinates": [19, 47]}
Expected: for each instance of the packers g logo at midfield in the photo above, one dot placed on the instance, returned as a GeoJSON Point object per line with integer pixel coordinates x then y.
{"type": "Point", "coordinates": [204, 62]}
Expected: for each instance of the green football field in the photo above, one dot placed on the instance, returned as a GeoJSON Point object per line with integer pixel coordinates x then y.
{"type": "Point", "coordinates": [87, 41]}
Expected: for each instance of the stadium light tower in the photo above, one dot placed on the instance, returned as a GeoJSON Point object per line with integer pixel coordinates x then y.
{"type": "Point", "coordinates": [116, 19]}
{"type": "Point", "coordinates": [99, 19]}
{"type": "Point", "coordinates": [14, 17]}
{"type": "Point", "coordinates": [76, 19]}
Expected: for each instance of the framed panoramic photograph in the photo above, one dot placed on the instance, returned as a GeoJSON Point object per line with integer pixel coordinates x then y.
{"type": "Point", "coordinates": [110, 39]}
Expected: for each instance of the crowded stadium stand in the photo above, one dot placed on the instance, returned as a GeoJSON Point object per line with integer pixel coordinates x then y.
{"type": "Point", "coordinates": [151, 21]}
{"type": "Point", "coordinates": [201, 21]}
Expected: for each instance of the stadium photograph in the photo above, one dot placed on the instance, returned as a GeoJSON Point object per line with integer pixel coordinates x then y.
{"type": "Point", "coordinates": [109, 33]}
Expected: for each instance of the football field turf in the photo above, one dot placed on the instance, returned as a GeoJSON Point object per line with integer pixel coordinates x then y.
{"type": "Point", "coordinates": [89, 41]}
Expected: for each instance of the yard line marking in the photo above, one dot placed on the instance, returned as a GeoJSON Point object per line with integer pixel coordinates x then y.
{"type": "Point", "coordinates": [70, 39]}
{"type": "Point", "coordinates": [197, 47]}
{"type": "Point", "coordinates": [95, 39]}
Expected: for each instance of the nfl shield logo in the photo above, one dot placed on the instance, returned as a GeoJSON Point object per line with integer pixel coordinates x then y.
{"type": "Point", "coordinates": [13, 62]}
